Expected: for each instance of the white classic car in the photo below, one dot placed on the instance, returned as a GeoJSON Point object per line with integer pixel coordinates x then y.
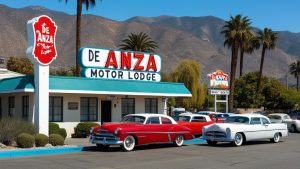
{"type": "Point", "coordinates": [293, 125]}
{"type": "Point", "coordinates": [247, 127]}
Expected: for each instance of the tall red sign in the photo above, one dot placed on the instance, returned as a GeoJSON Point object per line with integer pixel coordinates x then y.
{"type": "Point", "coordinates": [44, 49]}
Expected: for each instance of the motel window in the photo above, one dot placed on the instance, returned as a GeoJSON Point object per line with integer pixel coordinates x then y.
{"type": "Point", "coordinates": [88, 109]}
{"type": "Point", "coordinates": [128, 106]}
{"type": "Point", "coordinates": [25, 107]}
{"type": "Point", "coordinates": [11, 106]}
{"type": "Point", "coordinates": [55, 109]}
{"type": "Point", "coordinates": [150, 105]}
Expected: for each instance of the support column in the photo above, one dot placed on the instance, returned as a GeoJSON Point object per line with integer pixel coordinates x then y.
{"type": "Point", "coordinates": [165, 106]}
{"type": "Point", "coordinates": [215, 103]}
{"type": "Point", "coordinates": [41, 98]}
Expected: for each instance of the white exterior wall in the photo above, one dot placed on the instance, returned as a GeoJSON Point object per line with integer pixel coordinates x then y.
{"type": "Point", "coordinates": [18, 104]}
{"type": "Point", "coordinates": [72, 117]}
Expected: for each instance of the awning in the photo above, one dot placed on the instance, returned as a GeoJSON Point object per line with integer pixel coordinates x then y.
{"type": "Point", "coordinates": [80, 85]}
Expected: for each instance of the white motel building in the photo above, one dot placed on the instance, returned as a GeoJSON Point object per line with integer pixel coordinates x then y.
{"type": "Point", "coordinates": [80, 99]}
{"type": "Point", "coordinates": [114, 83]}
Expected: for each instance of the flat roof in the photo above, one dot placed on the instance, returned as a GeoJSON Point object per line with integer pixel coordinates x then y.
{"type": "Point", "coordinates": [81, 85]}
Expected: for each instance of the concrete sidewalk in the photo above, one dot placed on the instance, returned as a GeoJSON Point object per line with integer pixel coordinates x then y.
{"type": "Point", "coordinates": [78, 141]}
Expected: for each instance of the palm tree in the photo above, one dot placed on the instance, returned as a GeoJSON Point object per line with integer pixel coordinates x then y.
{"type": "Point", "coordinates": [295, 70]}
{"type": "Point", "coordinates": [234, 31]}
{"type": "Point", "coordinates": [268, 40]}
{"type": "Point", "coordinates": [87, 3]}
{"type": "Point", "coordinates": [138, 42]}
{"type": "Point", "coordinates": [248, 46]}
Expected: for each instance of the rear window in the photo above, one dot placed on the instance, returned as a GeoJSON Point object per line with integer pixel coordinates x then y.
{"type": "Point", "coordinates": [165, 120]}
{"type": "Point", "coordinates": [274, 117]}
{"type": "Point", "coordinates": [199, 119]}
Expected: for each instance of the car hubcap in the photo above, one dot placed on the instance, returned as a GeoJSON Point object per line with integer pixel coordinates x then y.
{"type": "Point", "coordinates": [238, 139]}
{"type": "Point", "coordinates": [179, 140]}
{"type": "Point", "coordinates": [129, 142]}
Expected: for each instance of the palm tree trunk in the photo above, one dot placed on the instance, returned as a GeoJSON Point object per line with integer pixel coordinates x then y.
{"type": "Point", "coordinates": [78, 30]}
{"type": "Point", "coordinates": [234, 55]}
{"type": "Point", "coordinates": [261, 68]}
{"type": "Point", "coordinates": [297, 83]}
{"type": "Point", "coordinates": [241, 61]}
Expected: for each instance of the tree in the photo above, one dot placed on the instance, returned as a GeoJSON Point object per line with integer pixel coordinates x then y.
{"type": "Point", "coordinates": [245, 94]}
{"type": "Point", "coordinates": [273, 94]}
{"type": "Point", "coordinates": [138, 42]}
{"type": "Point", "coordinates": [87, 3]}
{"type": "Point", "coordinates": [248, 45]}
{"type": "Point", "coordinates": [268, 40]}
{"type": "Point", "coordinates": [234, 31]}
{"type": "Point", "coordinates": [188, 72]}
{"type": "Point", "coordinates": [20, 65]}
{"type": "Point", "coordinates": [295, 71]}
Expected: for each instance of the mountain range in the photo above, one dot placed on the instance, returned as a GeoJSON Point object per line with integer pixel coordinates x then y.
{"type": "Point", "coordinates": [178, 38]}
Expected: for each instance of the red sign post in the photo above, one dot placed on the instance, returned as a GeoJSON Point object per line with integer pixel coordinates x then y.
{"type": "Point", "coordinates": [44, 49]}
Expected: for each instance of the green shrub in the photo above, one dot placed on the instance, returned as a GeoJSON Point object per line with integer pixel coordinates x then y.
{"type": "Point", "coordinates": [10, 128]}
{"type": "Point", "coordinates": [82, 130]}
{"type": "Point", "coordinates": [56, 140]}
{"type": "Point", "coordinates": [62, 132]}
{"type": "Point", "coordinates": [54, 129]}
{"type": "Point", "coordinates": [41, 140]}
{"type": "Point", "coordinates": [25, 140]}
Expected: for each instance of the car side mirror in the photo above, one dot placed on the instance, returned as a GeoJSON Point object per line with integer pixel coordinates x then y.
{"type": "Point", "coordinates": [266, 125]}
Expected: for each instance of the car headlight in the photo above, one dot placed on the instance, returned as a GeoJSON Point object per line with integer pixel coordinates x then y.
{"type": "Point", "coordinates": [116, 131]}
{"type": "Point", "coordinates": [228, 132]}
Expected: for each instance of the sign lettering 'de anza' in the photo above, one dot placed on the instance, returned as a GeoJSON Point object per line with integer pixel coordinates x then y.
{"type": "Point", "coordinates": [121, 65]}
{"type": "Point", "coordinates": [43, 47]}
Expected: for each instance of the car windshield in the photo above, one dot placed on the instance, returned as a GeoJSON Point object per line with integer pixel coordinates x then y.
{"type": "Point", "coordinates": [237, 119]}
{"type": "Point", "coordinates": [184, 118]}
{"type": "Point", "coordinates": [203, 113]}
{"type": "Point", "coordinates": [274, 117]}
{"type": "Point", "coordinates": [136, 119]}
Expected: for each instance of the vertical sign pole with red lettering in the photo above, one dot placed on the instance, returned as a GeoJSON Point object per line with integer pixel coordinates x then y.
{"type": "Point", "coordinates": [41, 50]}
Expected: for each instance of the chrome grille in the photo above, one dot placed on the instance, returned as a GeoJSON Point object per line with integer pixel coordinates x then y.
{"type": "Point", "coordinates": [105, 135]}
{"type": "Point", "coordinates": [216, 133]}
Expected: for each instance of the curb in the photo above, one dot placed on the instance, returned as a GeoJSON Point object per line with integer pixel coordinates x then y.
{"type": "Point", "coordinates": [194, 141]}
{"type": "Point", "coordinates": [39, 151]}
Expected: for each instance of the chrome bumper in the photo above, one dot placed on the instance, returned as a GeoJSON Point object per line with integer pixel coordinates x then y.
{"type": "Point", "coordinates": [104, 141]}
{"type": "Point", "coordinates": [215, 138]}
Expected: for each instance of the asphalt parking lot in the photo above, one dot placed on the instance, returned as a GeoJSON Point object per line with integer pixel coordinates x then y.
{"type": "Point", "coordinates": [252, 155]}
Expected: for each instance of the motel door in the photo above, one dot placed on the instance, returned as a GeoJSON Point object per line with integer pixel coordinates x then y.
{"type": "Point", "coordinates": [105, 111]}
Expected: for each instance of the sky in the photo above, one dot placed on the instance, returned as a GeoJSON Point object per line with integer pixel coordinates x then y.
{"type": "Point", "coordinates": [280, 15]}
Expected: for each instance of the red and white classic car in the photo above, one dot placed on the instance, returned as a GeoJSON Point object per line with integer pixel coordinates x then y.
{"type": "Point", "coordinates": [140, 129]}
{"type": "Point", "coordinates": [194, 121]}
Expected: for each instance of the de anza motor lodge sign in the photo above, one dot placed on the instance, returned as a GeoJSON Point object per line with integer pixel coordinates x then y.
{"type": "Point", "coordinates": [120, 65]}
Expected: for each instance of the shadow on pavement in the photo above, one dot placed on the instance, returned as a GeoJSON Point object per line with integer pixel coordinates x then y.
{"type": "Point", "coordinates": [137, 148]}
{"type": "Point", "coordinates": [226, 144]}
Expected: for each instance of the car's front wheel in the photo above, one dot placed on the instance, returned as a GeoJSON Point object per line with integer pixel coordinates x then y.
{"type": "Point", "coordinates": [211, 143]}
{"type": "Point", "coordinates": [293, 129]}
{"type": "Point", "coordinates": [179, 141]}
{"type": "Point", "coordinates": [276, 138]}
{"type": "Point", "coordinates": [128, 143]}
{"type": "Point", "coordinates": [238, 139]}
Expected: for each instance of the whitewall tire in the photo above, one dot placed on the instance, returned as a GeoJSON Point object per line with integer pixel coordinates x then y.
{"type": "Point", "coordinates": [276, 138]}
{"type": "Point", "coordinates": [238, 139]}
{"type": "Point", "coordinates": [128, 143]}
{"type": "Point", "coordinates": [179, 141]}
